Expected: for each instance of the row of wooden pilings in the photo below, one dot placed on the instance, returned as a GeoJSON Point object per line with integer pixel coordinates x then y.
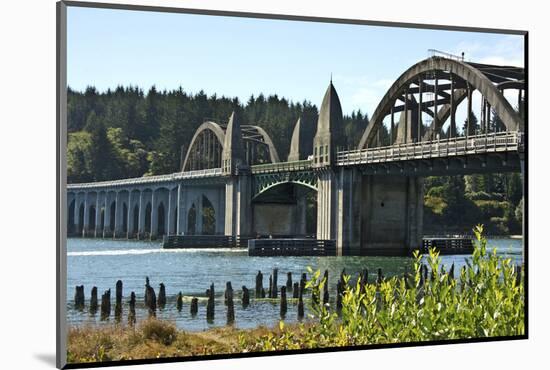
{"type": "Point", "coordinates": [152, 302]}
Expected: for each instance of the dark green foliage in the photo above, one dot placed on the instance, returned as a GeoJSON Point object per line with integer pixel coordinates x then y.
{"type": "Point", "coordinates": [148, 134]}
{"type": "Point", "coordinates": [453, 202]}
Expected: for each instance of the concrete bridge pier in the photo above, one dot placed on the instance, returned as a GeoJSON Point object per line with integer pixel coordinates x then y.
{"type": "Point", "coordinates": [348, 211]}
{"type": "Point", "coordinates": [98, 231]}
{"type": "Point", "coordinates": [238, 205]}
{"type": "Point", "coordinates": [326, 204]}
{"type": "Point", "coordinates": [392, 213]}
{"type": "Point", "coordinates": [141, 217]}
{"type": "Point", "coordinates": [107, 232]}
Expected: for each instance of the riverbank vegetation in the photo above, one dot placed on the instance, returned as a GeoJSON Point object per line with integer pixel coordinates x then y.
{"type": "Point", "coordinates": [484, 299]}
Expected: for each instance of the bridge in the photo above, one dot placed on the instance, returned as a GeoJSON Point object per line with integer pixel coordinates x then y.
{"type": "Point", "coordinates": [370, 198]}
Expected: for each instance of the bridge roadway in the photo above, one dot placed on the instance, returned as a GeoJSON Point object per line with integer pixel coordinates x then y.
{"type": "Point", "coordinates": [458, 147]}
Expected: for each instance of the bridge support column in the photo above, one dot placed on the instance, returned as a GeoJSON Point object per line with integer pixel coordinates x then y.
{"type": "Point", "coordinates": [141, 216]}
{"type": "Point", "coordinates": [86, 215]}
{"type": "Point", "coordinates": [182, 210]}
{"type": "Point", "coordinates": [130, 215]}
{"type": "Point", "coordinates": [154, 215]}
{"type": "Point", "coordinates": [392, 214]}
{"type": "Point", "coordinates": [301, 209]}
{"type": "Point", "coordinates": [107, 215]}
{"type": "Point", "coordinates": [348, 211]}
{"type": "Point", "coordinates": [170, 216]}
{"type": "Point", "coordinates": [238, 206]}
{"type": "Point", "coordinates": [118, 215]}
{"type": "Point", "coordinates": [326, 205]}
{"type": "Point", "coordinates": [97, 230]}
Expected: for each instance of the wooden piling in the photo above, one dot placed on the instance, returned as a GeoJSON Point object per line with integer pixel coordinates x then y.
{"type": "Point", "coordinates": [263, 293]}
{"type": "Point", "coordinates": [274, 289]}
{"type": "Point", "coordinates": [452, 271]}
{"type": "Point", "coordinates": [380, 277]}
{"type": "Point", "coordinates": [425, 271]}
{"type": "Point", "coordinates": [210, 304]}
{"type": "Point", "coordinates": [407, 279]}
{"type": "Point", "coordinates": [229, 303]}
{"type": "Point", "coordinates": [118, 300]}
{"type": "Point", "coordinates": [364, 279]}
{"type": "Point", "coordinates": [179, 301]}
{"type": "Point", "coordinates": [106, 304]}
{"type": "Point", "coordinates": [289, 282]}
{"type": "Point", "coordinates": [228, 292]}
{"type": "Point", "coordinates": [194, 306]}
{"type": "Point", "coordinates": [303, 282]}
{"type": "Point", "coordinates": [162, 296]}
{"type": "Point", "coordinates": [259, 284]}
{"type": "Point", "coordinates": [79, 297]}
{"type": "Point", "coordinates": [325, 288]}
{"type": "Point", "coordinates": [339, 293]}
{"type": "Point", "coordinates": [118, 292]}
{"type": "Point", "coordinates": [296, 290]}
{"type": "Point", "coordinates": [152, 301]}
{"type": "Point", "coordinates": [132, 309]}
{"type": "Point", "coordinates": [246, 297]}
{"type": "Point", "coordinates": [93, 301]}
{"type": "Point", "coordinates": [518, 272]}
{"type": "Point", "coordinates": [146, 295]}
{"type": "Point", "coordinates": [283, 302]}
{"type": "Point", "coordinates": [300, 305]}
{"type": "Point", "coordinates": [270, 293]}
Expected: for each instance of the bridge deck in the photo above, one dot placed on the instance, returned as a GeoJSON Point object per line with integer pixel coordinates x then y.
{"type": "Point", "coordinates": [454, 147]}
{"type": "Point", "coordinates": [458, 146]}
{"type": "Point", "coordinates": [210, 172]}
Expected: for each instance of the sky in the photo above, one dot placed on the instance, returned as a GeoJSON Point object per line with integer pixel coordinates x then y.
{"type": "Point", "coordinates": [240, 57]}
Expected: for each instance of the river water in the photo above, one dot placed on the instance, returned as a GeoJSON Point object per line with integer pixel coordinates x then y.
{"type": "Point", "coordinates": [99, 262]}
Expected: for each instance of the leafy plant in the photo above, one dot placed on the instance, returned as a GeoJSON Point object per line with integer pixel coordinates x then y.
{"type": "Point", "coordinates": [486, 299]}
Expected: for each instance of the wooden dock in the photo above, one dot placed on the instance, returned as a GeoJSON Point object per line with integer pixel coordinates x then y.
{"type": "Point", "coordinates": [450, 244]}
{"type": "Point", "coordinates": [198, 241]}
{"type": "Point", "coordinates": [291, 247]}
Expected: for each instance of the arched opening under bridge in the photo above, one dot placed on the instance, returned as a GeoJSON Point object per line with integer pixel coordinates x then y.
{"type": "Point", "coordinates": [286, 209]}
{"type": "Point", "coordinates": [192, 220]}
{"type": "Point", "coordinates": [70, 218]}
{"type": "Point", "coordinates": [161, 217]}
{"type": "Point", "coordinates": [148, 210]}
{"type": "Point", "coordinates": [208, 217]}
{"type": "Point", "coordinates": [135, 224]}
{"type": "Point", "coordinates": [80, 218]}
{"type": "Point", "coordinates": [124, 218]}
{"type": "Point", "coordinates": [91, 218]}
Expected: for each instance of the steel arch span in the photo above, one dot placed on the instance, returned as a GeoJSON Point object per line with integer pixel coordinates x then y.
{"type": "Point", "coordinates": [461, 79]}
{"type": "Point", "coordinates": [207, 144]}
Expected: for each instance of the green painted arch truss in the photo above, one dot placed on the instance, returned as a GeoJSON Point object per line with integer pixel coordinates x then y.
{"type": "Point", "coordinates": [263, 182]}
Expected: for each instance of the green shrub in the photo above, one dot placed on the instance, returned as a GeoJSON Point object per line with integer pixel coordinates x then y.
{"type": "Point", "coordinates": [481, 195]}
{"type": "Point", "coordinates": [486, 299]}
{"type": "Point", "coordinates": [436, 204]}
{"type": "Point", "coordinates": [491, 208]}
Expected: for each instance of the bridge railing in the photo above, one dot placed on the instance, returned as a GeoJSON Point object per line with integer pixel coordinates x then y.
{"type": "Point", "coordinates": [282, 166]}
{"type": "Point", "coordinates": [210, 172]}
{"type": "Point", "coordinates": [457, 146]}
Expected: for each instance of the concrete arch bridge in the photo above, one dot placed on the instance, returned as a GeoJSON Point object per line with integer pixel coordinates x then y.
{"type": "Point", "coordinates": [233, 182]}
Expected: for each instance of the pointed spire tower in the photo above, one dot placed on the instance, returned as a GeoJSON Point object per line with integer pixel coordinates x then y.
{"type": "Point", "coordinates": [233, 149]}
{"type": "Point", "coordinates": [301, 145]}
{"type": "Point", "coordinates": [329, 134]}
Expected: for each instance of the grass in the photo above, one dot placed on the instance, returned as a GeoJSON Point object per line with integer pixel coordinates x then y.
{"type": "Point", "coordinates": [155, 338]}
